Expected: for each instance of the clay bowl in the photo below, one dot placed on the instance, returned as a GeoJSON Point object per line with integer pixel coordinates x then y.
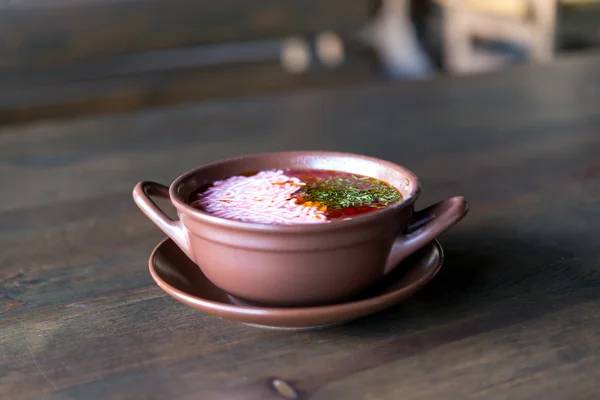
{"type": "Point", "coordinates": [299, 265]}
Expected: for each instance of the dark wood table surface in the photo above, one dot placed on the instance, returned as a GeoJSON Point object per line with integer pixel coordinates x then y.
{"type": "Point", "coordinates": [514, 313]}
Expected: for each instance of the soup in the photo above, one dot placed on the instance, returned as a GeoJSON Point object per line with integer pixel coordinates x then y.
{"type": "Point", "coordinates": [294, 196]}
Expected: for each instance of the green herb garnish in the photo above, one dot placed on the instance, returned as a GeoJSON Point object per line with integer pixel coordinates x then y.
{"type": "Point", "coordinates": [339, 193]}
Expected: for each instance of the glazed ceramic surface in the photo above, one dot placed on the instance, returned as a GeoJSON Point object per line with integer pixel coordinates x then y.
{"type": "Point", "coordinates": [299, 265]}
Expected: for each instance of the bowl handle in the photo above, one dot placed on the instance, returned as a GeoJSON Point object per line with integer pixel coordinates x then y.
{"type": "Point", "coordinates": [425, 226]}
{"type": "Point", "coordinates": [173, 228]}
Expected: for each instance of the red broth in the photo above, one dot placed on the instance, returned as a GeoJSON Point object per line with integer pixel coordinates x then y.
{"type": "Point", "coordinates": [295, 196]}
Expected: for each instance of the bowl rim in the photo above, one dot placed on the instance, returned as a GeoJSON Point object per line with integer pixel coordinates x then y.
{"type": "Point", "coordinates": [184, 208]}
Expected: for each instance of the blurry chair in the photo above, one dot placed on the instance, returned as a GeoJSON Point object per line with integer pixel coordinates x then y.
{"type": "Point", "coordinates": [526, 23]}
{"type": "Point", "coordinates": [392, 34]}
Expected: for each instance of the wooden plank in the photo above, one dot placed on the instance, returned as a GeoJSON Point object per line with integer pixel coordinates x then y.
{"type": "Point", "coordinates": [513, 313]}
{"type": "Point", "coordinates": [127, 84]}
{"type": "Point", "coordinates": [39, 33]}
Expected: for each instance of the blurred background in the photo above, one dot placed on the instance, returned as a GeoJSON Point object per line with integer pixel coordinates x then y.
{"type": "Point", "coordinates": [66, 58]}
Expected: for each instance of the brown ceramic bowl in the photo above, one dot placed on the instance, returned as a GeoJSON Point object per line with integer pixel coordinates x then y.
{"type": "Point", "coordinates": [299, 265]}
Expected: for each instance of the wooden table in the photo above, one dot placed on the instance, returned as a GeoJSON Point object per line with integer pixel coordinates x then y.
{"type": "Point", "coordinates": [513, 314]}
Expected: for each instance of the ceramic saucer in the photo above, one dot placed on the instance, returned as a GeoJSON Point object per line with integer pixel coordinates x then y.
{"type": "Point", "coordinates": [182, 279]}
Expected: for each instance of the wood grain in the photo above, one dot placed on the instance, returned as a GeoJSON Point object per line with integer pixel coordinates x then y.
{"type": "Point", "coordinates": [72, 58]}
{"type": "Point", "coordinates": [41, 33]}
{"type": "Point", "coordinates": [141, 90]}
{"type": "Point", "coordinates": [513, 313]}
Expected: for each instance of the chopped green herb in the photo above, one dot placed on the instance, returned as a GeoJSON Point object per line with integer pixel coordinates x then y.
{"type": "Point", "coordinates": [339, 193]}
